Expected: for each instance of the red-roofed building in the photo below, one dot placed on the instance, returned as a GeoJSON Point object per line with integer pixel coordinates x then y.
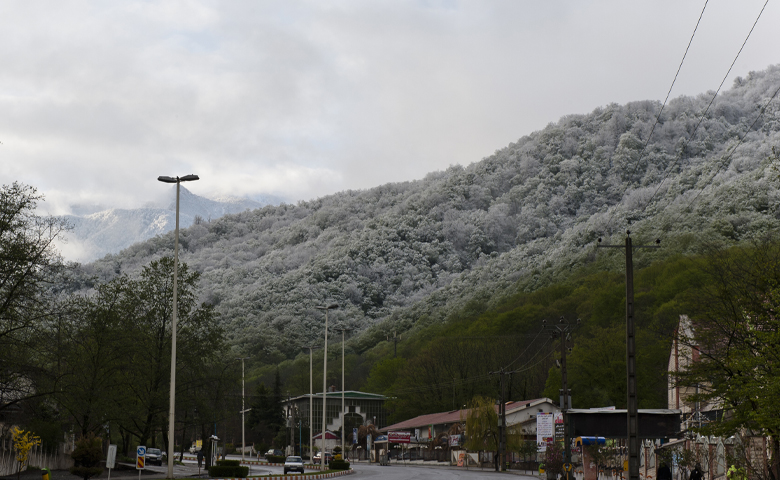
{"type": "Point", "coordinates": [433, 430]}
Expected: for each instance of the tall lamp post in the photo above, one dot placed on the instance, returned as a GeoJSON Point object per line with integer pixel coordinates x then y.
{"type": "Point", "coordinates": [343, 412]}
{"type": "Point", "coordinates": [171, 409]}
{"type": "Point", "coordinates": [325, 378]}
{"type": "Point", "coordinates": [311, 402]}
{"type": "Point", "coordinates": [243, 409]}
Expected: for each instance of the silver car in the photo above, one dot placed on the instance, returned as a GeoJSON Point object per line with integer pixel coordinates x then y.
{"type": "Point", "coordinates": [154, 456]}
{"type": "Point", "coordinates": [293, 464]}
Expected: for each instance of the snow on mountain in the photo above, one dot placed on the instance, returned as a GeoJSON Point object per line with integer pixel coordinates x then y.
{"type": "Point", "coordinates": [98, 233]}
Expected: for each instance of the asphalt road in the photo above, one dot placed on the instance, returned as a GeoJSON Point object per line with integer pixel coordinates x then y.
{"type": "Point", "coordinates": [401, 472]}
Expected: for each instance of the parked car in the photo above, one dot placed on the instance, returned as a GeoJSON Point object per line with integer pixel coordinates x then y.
{"type": "Point", "coordinates": [274, 451]}
{"type": "Point", "coordinates": [293, 464]}
{"type": "Point", "coordinates": [154, 456]}
{"type": "Point", "coordinates": [318, 458]}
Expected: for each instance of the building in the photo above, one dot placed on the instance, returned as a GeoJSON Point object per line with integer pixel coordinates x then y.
{"type": "Point", "coordinates": [361, 408]}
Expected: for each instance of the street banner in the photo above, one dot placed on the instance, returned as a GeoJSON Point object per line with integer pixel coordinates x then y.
{"type": "Point", "coordinates": [354, 436]}
{"type": "Point", "coordinates": [559, 430]}
{"type": "Point", "coordinates": [545, 433]}
{"type": "Point", "coordinates": [399, 437]}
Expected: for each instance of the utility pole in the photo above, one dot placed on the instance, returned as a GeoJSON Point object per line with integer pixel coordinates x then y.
{"type": "Point", "coordinates": [563, 329]}
{"type": "Point", "coordinates": [311, 404]}
{"type": "Point", "coordinates": [631, 404]}
{"type": "Point", "coordinates": [502, 418]}
{"type": "Point", "coordinates": [395, 343]}
{"type": "Point", "coordinates": [343, 330]}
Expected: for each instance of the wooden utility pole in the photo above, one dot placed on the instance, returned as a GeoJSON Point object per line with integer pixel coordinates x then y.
{"type": "Point", "coordinates": [632, 419]}
{"type": "Point", "coordinates": [563, 330]}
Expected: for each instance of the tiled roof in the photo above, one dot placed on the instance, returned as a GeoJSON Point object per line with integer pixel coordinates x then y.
{"type": "Point", "coordinates": [451, 417]}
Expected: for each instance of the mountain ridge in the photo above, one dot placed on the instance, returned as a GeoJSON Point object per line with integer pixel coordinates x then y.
{"type": "Point", "coordinates": [408, 254]}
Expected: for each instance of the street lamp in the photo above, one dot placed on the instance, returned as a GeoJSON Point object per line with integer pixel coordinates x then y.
{"type": "Point", "coordinates": [311, 403]}
{"type": "Point", "coordinates": [243, 409]}
{"type": "Point", "coordinates": [325, 378]}
{"type": "Point", "coordinates": [171, 415]}
{"type": "Point", "coordinates": [343, 412]}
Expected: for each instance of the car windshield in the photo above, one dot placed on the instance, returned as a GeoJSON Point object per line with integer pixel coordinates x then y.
{"type": "Point", "coordinates": [294, 459]}
{"type": "Point", "coordinates": [153, 451]}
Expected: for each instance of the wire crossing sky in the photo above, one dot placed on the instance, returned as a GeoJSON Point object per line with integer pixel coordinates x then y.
{"type": "Point", "coordinates": [303, 99]}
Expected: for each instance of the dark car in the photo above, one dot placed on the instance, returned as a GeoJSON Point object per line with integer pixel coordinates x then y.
{"type": "Point", "coordinates": [274, 452]}
{"type": "Point", "coordinates": [293, 464]}
{"type": "Point", "coordinates": [318, 458]}
{"type": "Point", "coordinates": [154, 456]}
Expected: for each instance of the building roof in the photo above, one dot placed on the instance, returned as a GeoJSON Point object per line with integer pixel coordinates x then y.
{"type": "Point", "coordinates": [328, 436]}
{"type": "Point", "coordinates": [454, 416]}
{"type": "Point", "coordinates": [348, 394]}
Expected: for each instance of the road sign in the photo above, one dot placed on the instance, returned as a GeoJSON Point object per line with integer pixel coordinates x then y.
{"type": "Point", "coordinates": [567, 467]}
{"type": "Point", "coordinates": [140, 459]}
{"type": "Point", "coordinates": [111, 458]}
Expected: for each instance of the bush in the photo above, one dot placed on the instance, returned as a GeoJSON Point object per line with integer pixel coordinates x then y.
{"type": "Point", "coordinates": [229, 463]}
{"type": "Point", "coordinates": [228, 471]}
{"type": "Point", "coordinates": [275, 458]}
{"type": "Point", "coordinates": [87, 456]}
{"type": "Point", "coordinates": [339, 465]}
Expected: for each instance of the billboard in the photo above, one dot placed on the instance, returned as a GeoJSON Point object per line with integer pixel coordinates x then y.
{"type": "Point", "coordinates": [545, 432]}
{"type": "Point", "coordinates": [399, 437]}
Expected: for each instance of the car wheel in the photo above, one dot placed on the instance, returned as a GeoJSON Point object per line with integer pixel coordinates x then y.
{"type": "Point", "coordinates": [285, 471]}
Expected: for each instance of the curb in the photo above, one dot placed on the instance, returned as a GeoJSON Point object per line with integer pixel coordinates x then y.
{"type": "Point", "coordinates": [298, 477]}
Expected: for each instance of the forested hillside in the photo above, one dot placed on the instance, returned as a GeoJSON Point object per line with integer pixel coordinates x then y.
{"type": "Point", "coordinates": [408, 256]}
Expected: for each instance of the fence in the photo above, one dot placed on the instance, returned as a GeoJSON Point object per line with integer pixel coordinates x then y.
{"type": "Point", "coordinates": [39, 457]}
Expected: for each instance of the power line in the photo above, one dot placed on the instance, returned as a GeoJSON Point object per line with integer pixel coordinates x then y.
{"type": "Point", "coordinates": [668, 93]}
{"type": "Point", "coordinates": [701, 118]}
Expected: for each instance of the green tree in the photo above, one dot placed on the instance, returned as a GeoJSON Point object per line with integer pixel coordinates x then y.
{"type": "Point", "coordinates": [29, 263]}
{"type": "Point", "coordinates": [482, 425]}
{"type": "Point", "coordinates": [736, 330]}
{"type": "Point", "coordinates": [267, 417]}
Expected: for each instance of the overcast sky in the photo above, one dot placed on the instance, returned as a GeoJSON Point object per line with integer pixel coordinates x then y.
{"type": "Point", "coordinates": [305, 98]}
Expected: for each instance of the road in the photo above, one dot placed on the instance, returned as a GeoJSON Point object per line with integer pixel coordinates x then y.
{"type": "Point", "coordinates": [401, 472]}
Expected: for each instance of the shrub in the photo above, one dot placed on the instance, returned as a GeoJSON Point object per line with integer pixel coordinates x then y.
{"type": "Point", "coordinates": [87, 456]}
{"type": "Point", "coordinates": [229, 463]}
{"type": "Point", "coordinates": [228, 471]}
{"type": "Point", "coordinates": [275, 458]}
{"type": "Point", "coordinates": [339, 464]}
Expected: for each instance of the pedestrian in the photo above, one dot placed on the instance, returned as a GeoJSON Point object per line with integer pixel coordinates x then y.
{"type": "Point", "coordinates": [200, 458]}
{"type": "Point", "coordinates": [696, 473]}
{"type": "Point", "coordinates": [664, 473]}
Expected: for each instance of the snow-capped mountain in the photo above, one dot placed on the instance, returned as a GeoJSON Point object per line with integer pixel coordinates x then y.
{"type": "Point", "coordinates": [97, 233]}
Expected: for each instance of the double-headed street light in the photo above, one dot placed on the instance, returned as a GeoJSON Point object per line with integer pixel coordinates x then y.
{"type": "Point", "coordinates": [325, 378]}
{"type": "Point", "coordinates": [171, 415]}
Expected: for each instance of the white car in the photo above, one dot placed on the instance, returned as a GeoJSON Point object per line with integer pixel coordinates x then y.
{"type": "Point", "coordinates": [293, 464]}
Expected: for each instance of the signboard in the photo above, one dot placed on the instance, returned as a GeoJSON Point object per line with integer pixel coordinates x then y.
{"type": "Point", "coordinates": [544, 431]}
{"type": "Point", "coordinates": [354, 436]}
{"type": "Point", "coordinates": [111, 458]}
{"type": "Point", "coordinates": [140, 458]}
{"type": "Point", "coordinates": [559, 429]}
{"type": "Point", "coordinates": [454, 440]}
{"type": "Point", "coordinates": [430, 432]}
{"type": "Point", "coordinates": [416, 434]}
{"type": "Point", "coordinates": [368, 442]}
{"type": "Point", "coordinates": [399, 437]}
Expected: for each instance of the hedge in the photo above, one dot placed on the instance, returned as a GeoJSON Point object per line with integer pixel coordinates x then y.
{"type": "Point", "coordinates": [338, 465]}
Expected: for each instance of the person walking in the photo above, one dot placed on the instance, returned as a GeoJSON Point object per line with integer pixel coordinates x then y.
{"type": "Point", "coordinates": [696, 473]}
{"type": "Point", "coordinates": [200, 459]}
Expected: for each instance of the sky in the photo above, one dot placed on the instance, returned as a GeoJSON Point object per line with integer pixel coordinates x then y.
{"type": "Point", "coordinates": [300, 99]}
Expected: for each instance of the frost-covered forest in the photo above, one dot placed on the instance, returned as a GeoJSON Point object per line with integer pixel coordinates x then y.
{"type": "Point", "coordinates": [407, 255]}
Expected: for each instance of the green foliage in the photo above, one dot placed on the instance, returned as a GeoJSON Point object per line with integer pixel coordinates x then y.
{"type": "Point", "coordinates": [482, 424]}
{"type": "Point", "coordinates": [229, 463]}
{"type": "Point", "coordinates": [87, 456]}
{"type": "Point", "coordinates": [225, 471]}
